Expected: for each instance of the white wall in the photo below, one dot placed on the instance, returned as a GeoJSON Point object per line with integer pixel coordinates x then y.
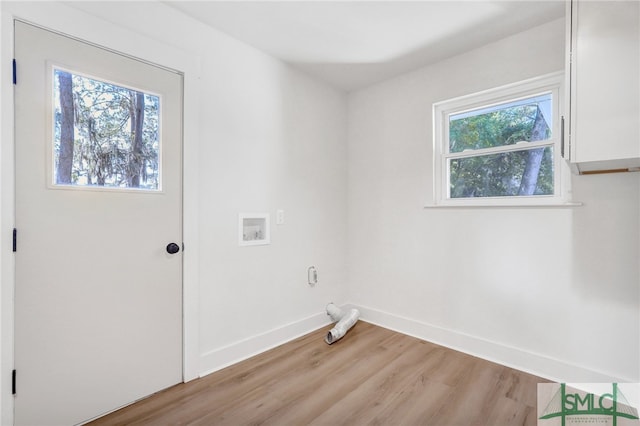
{"type": "Point", "coordinates": [275, 140]}
{"type": "Point", "coordinates": [554, 291]}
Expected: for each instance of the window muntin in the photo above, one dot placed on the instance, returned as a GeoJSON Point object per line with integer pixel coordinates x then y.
{"type": "Point", "coordinates": [104, 135]}
{"type": "Point", "coordinates": [500, 146]}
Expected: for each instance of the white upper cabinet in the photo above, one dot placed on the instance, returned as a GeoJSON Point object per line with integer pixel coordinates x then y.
{"type": "Point", "coordinates": [604, 100]}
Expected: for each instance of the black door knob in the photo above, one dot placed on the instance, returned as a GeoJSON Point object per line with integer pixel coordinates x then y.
{"type": "Point", "coordinates": [173, 248]}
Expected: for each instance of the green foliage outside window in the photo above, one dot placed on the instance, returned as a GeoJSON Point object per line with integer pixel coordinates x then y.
{"type": "Point", "coordinates": [104, 134]}
{"type": "Point", "coordinates": [510, 173]}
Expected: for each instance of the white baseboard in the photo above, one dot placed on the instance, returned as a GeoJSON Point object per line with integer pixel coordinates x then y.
{"type": "Point", "coordinates": [519, 359]}
{"type": "Point", "coordinates": [239, 351]}
{"type": "Point", "coordinates": [529, 362]}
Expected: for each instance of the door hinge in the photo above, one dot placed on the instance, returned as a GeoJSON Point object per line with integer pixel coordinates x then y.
{"type": "Point", "coordinates": [15, 240]}
{"type": "Point", "coordinates": [15, 72]}
{"type": "Point", "coordinates": [13, 382]}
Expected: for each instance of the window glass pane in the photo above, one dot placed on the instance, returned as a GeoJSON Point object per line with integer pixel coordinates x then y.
{"type": "Point", "coordinates": [104, 135]}
{"type": "Point", "coordinates": [515, 173]}
{"type": "Point", "coordinates": [527, 120]}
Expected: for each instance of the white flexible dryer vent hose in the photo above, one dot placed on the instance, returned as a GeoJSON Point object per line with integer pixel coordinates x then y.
{"type": "Point", "coordinates": [345, 322]}
{"type": "Point", "coordinates": [334, 312]}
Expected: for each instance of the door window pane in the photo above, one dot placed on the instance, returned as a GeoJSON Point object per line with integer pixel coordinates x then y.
{"type": "Point", "coordinates": [104, 135]}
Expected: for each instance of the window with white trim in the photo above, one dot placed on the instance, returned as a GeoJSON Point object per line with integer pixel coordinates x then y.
{"type": "Point", "coordinates": [500, 146]}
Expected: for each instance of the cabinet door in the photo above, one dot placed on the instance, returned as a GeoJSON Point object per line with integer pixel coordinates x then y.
{"type": "Point", "coordinates": [605, 98]}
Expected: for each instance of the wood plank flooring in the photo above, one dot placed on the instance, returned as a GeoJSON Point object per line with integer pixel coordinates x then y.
{"type": "Point", "coordinates": [373, 376]}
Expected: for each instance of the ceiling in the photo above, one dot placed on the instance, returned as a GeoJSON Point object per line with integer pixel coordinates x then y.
{"type": "Point", "coordinates": [352, 44]}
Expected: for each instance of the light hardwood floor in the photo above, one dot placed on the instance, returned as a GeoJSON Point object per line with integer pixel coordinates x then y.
{"type": "Point", "coordinates": [373, 376]}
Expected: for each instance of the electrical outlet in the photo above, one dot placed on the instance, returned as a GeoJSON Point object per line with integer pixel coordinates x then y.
{"type": "Point", "coordinates": [280, 217]}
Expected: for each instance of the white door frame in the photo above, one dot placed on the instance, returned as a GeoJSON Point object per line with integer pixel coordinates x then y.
{"type": "Point", "coordinates": [72, 22]}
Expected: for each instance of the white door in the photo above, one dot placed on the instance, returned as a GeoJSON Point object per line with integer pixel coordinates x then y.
{"type": "Point", "coordinates": [98, 300]}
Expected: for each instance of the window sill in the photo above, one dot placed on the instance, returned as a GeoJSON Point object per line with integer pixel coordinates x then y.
{"type": "Point", "coordinates": [510, 205]}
